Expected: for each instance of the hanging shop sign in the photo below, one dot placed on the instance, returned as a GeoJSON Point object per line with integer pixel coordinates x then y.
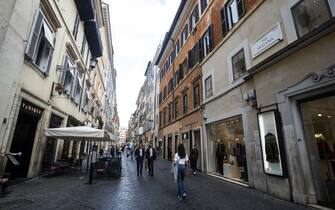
{"type": "Point", "coordinates": [271, 143]}
{"type": "Point", "coordinates": [266, 41]}
{"type": "Point", "coordinates": [30, 108]}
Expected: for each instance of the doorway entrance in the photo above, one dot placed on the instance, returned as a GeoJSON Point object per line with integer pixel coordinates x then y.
{"type": "Point", "coordinates": [23, 141]}
{"type": "Point", "coordinates": [318, 117]}
{"type": "Point", "coordinates": [169, 148]}
{"type": "Point", "coordinates": [197, 143]}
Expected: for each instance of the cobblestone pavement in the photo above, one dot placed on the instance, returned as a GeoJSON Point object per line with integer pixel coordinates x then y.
{"type": "Point", "coordinates": [132, 192]}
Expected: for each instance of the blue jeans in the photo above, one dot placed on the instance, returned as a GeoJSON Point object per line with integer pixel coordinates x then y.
{"type": "Point", "coordinates": [181, 176]}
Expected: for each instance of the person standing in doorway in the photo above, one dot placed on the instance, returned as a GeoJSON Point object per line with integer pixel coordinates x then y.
{"type": "Point", "coordinates": [181, 160]}
{"type": "Point", "coordinates": [194, 158]}
{"type": "Point", "coordinates": [150, 155]}
{"type": "Point", "coordinates": [139, 155]}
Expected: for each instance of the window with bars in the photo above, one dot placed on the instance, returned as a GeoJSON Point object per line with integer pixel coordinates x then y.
{"type": "Point", "coordinates": [238, 64]}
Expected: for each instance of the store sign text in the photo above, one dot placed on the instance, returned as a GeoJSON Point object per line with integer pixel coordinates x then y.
{"type": "Point", "coordinates": [266, 41]}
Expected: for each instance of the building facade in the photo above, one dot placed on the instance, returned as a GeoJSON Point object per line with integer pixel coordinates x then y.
{"type": "Point", "coordinates": [255, 94]}
{"type": "Point", "coordinates": [62, 81]}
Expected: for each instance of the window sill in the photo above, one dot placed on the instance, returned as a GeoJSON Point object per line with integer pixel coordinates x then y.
{"type": "Point", "coordinates": [43, 74]}
{"type": "Point", "coordinates": [232, 85]}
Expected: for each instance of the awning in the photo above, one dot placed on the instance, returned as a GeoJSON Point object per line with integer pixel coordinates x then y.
{"type": "Point", "coordinates": [92, 34]}
{"type": "Point", "coordinates": [79, 133]}
{"type": "Point", "coordinates": [85, 9]}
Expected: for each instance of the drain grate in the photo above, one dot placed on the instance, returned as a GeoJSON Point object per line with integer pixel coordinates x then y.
{"type": "Point", "coordinates": [14, 204]}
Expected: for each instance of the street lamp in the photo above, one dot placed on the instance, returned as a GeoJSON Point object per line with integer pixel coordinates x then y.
{"type": "Point", "coordinates": [93, 63]}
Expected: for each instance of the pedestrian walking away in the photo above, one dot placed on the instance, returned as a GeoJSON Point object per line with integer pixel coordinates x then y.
{"type": "Point", "coordinates": [139, 155]}
{"type": "Point", "coordinates": [193, 159]}
{"type": "Point", "coordinates": [181, 160]}
{"type": "Point", "coordinates": [150, 155]}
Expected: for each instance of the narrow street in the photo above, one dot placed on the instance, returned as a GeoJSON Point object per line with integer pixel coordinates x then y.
{"type": "Point", "coordinates": [132, 192]}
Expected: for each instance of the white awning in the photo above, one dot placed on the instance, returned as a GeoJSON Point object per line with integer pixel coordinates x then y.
{"type": "Point", "coordinates": [79, 133]}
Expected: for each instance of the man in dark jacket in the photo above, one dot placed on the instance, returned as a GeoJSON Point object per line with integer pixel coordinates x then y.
{"type": "Point", "coordinates": [139, 154]}
{"type": "Point", "coordinates": [150, 155]}
{"type": "Point", "coordinates": [194, 158]}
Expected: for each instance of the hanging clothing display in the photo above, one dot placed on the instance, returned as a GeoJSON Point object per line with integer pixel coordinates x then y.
{"type": "Point", "coordinates": [271, 148]}
{"type": "Point", "coordinates": [220, 156]}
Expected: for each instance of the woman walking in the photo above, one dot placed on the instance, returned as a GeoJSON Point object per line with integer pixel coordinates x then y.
{"type": "Point", "coordinates": [181, 160]}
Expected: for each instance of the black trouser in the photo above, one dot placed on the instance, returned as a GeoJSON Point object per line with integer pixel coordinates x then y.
{"type": "Point", "coordinates": [194, 165]}
{"type": "Point", "coordinates": [220, 165]}
{"type": "Point", "coordinates": [151, 166]}
{"type": "Point", "coordinates": [139, 163]}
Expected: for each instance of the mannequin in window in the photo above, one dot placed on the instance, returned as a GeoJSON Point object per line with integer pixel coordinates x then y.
{"type": "Point", "coordinates": [271, 148]}
{"type": "Point", "coordinates": [220, 156]}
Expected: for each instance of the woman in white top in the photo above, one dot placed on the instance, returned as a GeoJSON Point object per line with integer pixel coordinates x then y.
{"type": "Point", "coordinates": [181, 160]}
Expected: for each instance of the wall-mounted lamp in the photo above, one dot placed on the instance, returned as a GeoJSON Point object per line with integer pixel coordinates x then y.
{"type": "Point", "coordinates": [93, 63]}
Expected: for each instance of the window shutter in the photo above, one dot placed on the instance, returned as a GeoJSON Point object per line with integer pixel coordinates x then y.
{"type": "Point", "coordinates": [63, 70]}
{"type": "Point", "coordinates": [211, 38]}
{"type": "Point", "coordinates": [201, 48]}
{"type": "Point", "coordinates": [196, 14]}
{"type": "Point", "coordinates": [224, 20]}
{"type": "Point", "coordinates": [240, 8]}
{"type": "Point", "coordinates": [73, 85]}
{"type": "Point", "coordinates": [49, 60]}
{"type": "Point", "coordinates": [34, 35]}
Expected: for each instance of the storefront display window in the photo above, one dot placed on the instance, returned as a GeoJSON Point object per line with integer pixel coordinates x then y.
{"type": "Point", "coordinates": [270, 143]}
{"type": "Point", "coordinates": [318, 117]}
{"type": "Point", "coordinates": [227, 155]}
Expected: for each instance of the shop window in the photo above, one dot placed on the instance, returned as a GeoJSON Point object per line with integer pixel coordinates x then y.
{"type": "Point", "coordinates": [318, 117]}
{"type": "Point", "coordinates": [208, 87]}
{"type": "Point", "coordinates": [185, 103]}
{"type": "Point", "coordinates": [309, 15]}
{"type": "Point", "coordinates": [196, 95]}
{"type": "Point", "coordinates": [271, 142]}
{"type": "Point", "coordinates": [194, 18]}
{"type": "Point", "coordinates": [226, 149]}
{"type": "Point", "coordinates": [41, 44]}
{"type": "Point", "coordinates": [238, 62]}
